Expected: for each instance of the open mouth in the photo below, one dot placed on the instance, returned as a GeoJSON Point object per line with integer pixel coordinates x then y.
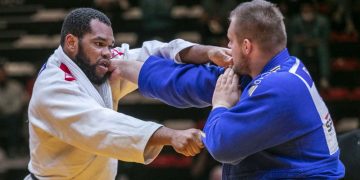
{"type": "Point", "coordinates": [104, 65]}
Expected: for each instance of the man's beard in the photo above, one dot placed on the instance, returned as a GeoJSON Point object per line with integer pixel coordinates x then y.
{"type": "Point", "coordinates": [90, 70]}
{"type": "Point", "coordinates": [243, 67]}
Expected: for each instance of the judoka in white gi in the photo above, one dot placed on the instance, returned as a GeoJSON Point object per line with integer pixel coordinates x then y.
{"type": "Point", "coordinates": [74, 131]}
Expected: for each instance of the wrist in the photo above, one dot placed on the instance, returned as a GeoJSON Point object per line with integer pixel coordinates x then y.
{"type": "Point", "coordinates": [210, 54]}
{"type": "Point", "coordinates": [173, 137]}
{"type": "Point", "coordinates": [220, 105]}
{"type": "Point", "coordinates": [162, 136]}
{"type": "Point", "coordinates": [196, 54]}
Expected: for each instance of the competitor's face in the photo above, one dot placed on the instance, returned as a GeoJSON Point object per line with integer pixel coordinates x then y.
{"type": "Point", "coordinates": [93, 56]}
{"type": "Point", "coordinates": [239, 58]}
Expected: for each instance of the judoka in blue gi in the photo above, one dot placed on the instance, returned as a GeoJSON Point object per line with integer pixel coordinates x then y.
{"type": "Point", "coordinates": [268, 120]}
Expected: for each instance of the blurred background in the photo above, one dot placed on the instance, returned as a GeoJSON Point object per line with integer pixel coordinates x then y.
{"type": "Point", "coordinates": [323, 33]}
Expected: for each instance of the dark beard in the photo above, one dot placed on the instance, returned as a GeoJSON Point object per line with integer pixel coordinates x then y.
{"type": "Point", "coordinates": [90, 70]}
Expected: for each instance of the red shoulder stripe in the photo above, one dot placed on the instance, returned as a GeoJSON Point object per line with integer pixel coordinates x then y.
{"type": "Point", "coordinates": [68, 75]}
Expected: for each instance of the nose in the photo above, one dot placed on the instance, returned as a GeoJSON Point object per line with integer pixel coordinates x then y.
{"type": "Point", "coordinates": [106, 53]}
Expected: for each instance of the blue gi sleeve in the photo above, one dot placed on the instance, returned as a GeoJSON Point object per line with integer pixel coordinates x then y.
{"type": "Point", "coordinates": [179, 85]}
{"type": "Point", "coordinates": [268, 117]}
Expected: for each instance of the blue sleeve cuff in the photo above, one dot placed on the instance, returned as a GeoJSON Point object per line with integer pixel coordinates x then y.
{"type": "Point", "coordinates": [216, 113]}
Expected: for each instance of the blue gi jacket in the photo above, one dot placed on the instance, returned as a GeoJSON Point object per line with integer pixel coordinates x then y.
{"type": "Point", "coordinates": [280, 128]}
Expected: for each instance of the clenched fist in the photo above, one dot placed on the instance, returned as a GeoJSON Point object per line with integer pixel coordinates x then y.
{"type": "Point", "coordinates": [187, 142]}
{"type": "Point", "coordinates": [221, 56]}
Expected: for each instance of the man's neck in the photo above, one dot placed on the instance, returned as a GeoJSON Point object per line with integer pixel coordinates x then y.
{"type": "Point", "coordinates": [258, 65]}
{"type": "Point", "coordinates": [260, 61]}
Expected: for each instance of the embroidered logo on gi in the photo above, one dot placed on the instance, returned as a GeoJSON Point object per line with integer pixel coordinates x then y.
{"type": "Point", "coordinates": [252, 89]}
{"type": "Point", "coordinates": [262, 76]}
{"type": "Point", "coordinates": [68, 75]}
{"type": "Point", "coordinates": [330, 133]}
{"type": "Point", "coordinates": [275, 69]}
{"type": "Point", "coordinates": [329, 124]}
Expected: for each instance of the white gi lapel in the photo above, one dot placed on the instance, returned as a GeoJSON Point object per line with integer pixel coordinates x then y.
{"type": "Point", "coordinates": [105, 92]}
{"type": "Point", "coordinates": [103, 96]}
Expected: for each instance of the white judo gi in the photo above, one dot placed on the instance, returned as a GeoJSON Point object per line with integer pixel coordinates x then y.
{"type": "Point", "coordinates": [74, 133]}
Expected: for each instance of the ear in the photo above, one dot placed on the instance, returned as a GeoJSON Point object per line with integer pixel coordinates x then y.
{"type": "Point", "coordinates": [71, 43]}
{"type": "Point", "coordinates": [246, 46]}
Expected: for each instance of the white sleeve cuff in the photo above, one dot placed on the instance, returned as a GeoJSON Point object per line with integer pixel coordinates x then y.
{"type": "Point", "coordinates": [166, 50]}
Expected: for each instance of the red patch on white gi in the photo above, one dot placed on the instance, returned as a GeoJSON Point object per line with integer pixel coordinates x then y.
{"type": "Point", "coordinates": [68, 75]}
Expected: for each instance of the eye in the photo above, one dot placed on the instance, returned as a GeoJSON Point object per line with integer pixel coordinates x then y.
{"type": "Point", "coordinates": [100, 44]}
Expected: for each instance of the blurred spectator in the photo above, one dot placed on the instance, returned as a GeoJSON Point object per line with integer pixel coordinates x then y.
{"type": "Point", "coordinates": [112, 8]}
{"type": "Point", "coordinates": [215, 19]}
{"type": "Point", "coordinates": [205, 167]}
{"type": "Point", "coordinates": [216, 173]}
{"type": "Point", "coordinates": [342, 23]}
{"type": "Point", "coordinates": [12, 2]}
{"type": "Point", "coordinates": [11, 108]}
{"type": "Point", "coordinates": [284, 6]}
{"type": "Point", "coordinates": [355, 13]}
{"type": "Point", "coordinates": [309, 35]}
{"type": "Point", "coordinates": [157, 22]}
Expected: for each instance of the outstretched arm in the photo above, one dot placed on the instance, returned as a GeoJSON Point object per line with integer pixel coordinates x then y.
{"type": "Point", "coordinates": [177, 50]}
{"type": "Point", "coordinates": [202, 54]}
{"type": "Point", "coordinates": [186, 142]}
{"type": "Point", "coordinates": [179, 85]}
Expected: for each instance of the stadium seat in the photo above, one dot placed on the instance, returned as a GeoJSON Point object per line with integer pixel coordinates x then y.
{"type": "Point", "coordinates": [349, 144]}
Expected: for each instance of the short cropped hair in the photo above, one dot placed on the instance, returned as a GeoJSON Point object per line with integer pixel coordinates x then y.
{"type": "Point", "coordinates": [262, 22]}
{"type": "Point", "coordinates": [77, 22]}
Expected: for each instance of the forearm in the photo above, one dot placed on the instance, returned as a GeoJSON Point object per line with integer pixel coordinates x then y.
{"type": "Point", "coordinates": [197, 54]}
{"type": "Point", "coordinates": [181, 85]}
{"type": "Point", "coordinates": [186, 142]}
{"type": "Point", "coordinates": [162, 136]}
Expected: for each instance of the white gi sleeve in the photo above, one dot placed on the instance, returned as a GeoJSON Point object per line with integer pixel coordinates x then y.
{"type": "Point", "coordinates": [157, 48]}
{"type": "Point", "coordinates": [167, 50]}
{"type": "Point", "coordinates": [67, 113]}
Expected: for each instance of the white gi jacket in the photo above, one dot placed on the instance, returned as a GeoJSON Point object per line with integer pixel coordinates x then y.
{"type": "Point", "coordinates": [74, 133]}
